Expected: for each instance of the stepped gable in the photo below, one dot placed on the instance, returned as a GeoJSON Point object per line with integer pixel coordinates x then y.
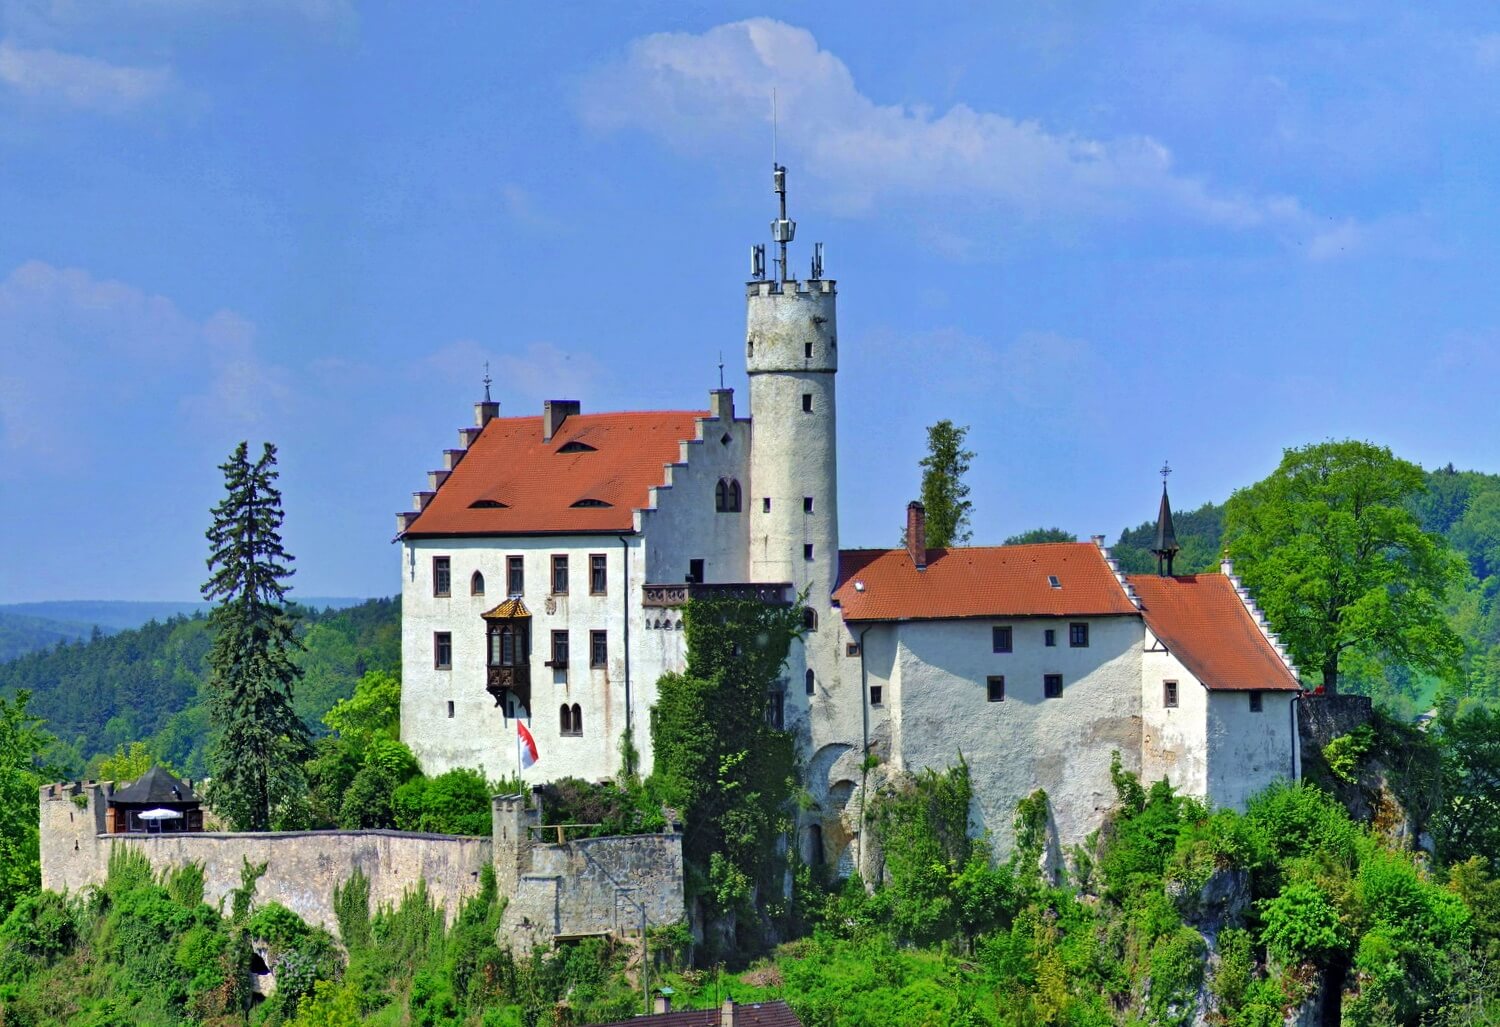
{"type": "Point", "coordinates": [980, 581]}
{"type": "Point", "coordinates": [1204, 623]}
{"type": "Point", "coordinates": [591, 476]}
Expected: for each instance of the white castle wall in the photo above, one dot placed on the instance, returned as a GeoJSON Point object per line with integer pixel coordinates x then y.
{"type": "Point", "coordinates": [1247, 751]}
{"type": "Point", "coordinates": [940, 709]}
{"type": "Point", "coordinates": [1174, 742]}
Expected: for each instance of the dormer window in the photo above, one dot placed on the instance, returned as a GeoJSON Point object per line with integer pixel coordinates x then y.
{"type": "Point", "coordinates": [727, 496]}
{"type": "Point", "coordinates": [576, 447]}
{"type": "Point", "coordinates": [591, 504]}
{"type": "Point", "coordinates": [487, 504]}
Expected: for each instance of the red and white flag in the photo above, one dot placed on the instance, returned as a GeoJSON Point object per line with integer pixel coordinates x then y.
{"type": "Point", "coordinates": [526, 745]}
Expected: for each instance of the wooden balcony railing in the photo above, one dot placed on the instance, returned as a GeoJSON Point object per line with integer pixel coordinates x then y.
{"type": "Point", "coordinates": [677, 594]}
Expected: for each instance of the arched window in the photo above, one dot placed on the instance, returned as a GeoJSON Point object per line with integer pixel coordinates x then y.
{"type": "Point", "coordinates": [577, 719]}
{"type": "Point", "coordinates": [727, 496]}
{"type": "Point", "coordinates": [812, 683]}
{"type": "Point", "coordinates": [814, 854]}
{"type": "Point", "coordinates": [565, 719]}
{"type": "Point", "coordinates": [476, 584]}
{"type": "Point", "coordinates": [809, 618]}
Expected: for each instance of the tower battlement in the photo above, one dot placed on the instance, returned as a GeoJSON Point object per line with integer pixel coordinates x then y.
{"type": "Point", "coordinates": [768, 287]}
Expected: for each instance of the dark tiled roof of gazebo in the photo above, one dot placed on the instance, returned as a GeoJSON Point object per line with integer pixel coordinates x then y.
{"type": "Point", "coordinates": [156, 787]}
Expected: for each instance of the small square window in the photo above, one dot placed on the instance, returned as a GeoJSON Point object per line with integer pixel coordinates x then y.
{"type": "Point", "coordinates": [807, 402]}
{"type": "Point", "coordinates": [559, 575]}
{"type": "Point", "coordinates": [598, 649]}
{"type": "Point", "coordinates": [1257, 704]}
{"type": "Point", "coordinates": [1051, 686]}
{"type": "Point", "coordinates": [807, 551]}
{"type": "Point", "coordinates": [1078, 635]}
{"type": "Point", "coordinates": [1169, 694]}
{"type": "Point", "coordinates": [442, 576]}
{"type": "Point", "coordinates": [598, 574]}
{"type": "Point", "coordinates": [1049, 637]}
{"type": "Point", "coordinates": [807, 504]}
{"type": "Point", "coordinates": [515, 575]}
{"type": "Point", "coordinates": [450, 709]}
{"type": "Point", "coordinates": [874, 695]}
{"type": "Point", "coordinates": [442, 650]}
{"type": "Point", "coordinates": [1053, 582]}
{"type": "Point", "coordinates": [559, 650]}
{"type": "Point", "coordinates": [1000, 638]}
{"type": "Point", "coordinates": [765, 504]}
{"type": "Point", "coordinates": [852, 649]}
{"type": "Point", "coordinates": [995, 686]}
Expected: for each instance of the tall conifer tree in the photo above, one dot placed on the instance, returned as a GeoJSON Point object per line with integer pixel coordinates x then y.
{"type": "Point", "coordinates": [944, 492]}
{"type": "Point", "coordinates": [259, 741]}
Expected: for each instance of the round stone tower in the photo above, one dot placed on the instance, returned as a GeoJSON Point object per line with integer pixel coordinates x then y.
{"type": "Point", "coordinates": [791, 354]}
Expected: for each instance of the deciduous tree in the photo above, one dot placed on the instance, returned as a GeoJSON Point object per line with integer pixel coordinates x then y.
{"type": "Point", "coordinates": [1340, 565]}
{"type": "Point", "coordinates": [259, 742]}
{"type": "Point", "coordinates": [22, 743]}
{"type": "Point", "coordinates": [944, 492]}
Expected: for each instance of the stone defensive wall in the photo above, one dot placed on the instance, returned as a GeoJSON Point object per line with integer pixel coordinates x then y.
{"type": "Point", "coordinates": [554, 890]}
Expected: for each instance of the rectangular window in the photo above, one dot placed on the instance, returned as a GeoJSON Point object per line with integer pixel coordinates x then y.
{"type": "Point", "coordinates": [442, 650]}
{"type": "Point", "coordinates": [807, 402]}
{"type": "Point", "coordinates": [598, 649]}
{"type": "Point", "coordinates": [450, 709]}
{"type": "Point", "coordinates": [807, 350]}
{"type": "Point", "coordinates": [1000, 638]}
{"type": "Point", "coordinates": [515, 575]}
{"type": "Point", "coordinates": [995, 685]}
{"type": "Point", "coordinates": [1078, 635]}
{"type": "Point", "coordinates": [442, 576]}
{"type": "Point", "coordinates": [1169, 694]}
{"type": "Point", "coordinates": [598, 575]}
{"type": "Point", "coordinates": [765, 504]}
{"type": "Point", "coordinates": [776, 710]}
{"type": "Point", "coordinates": [1049, 637]}
{"type": "Point", "coordinates": [696, 570]}
{"type": "Point", "coordinates": [559, 575]}
{"type": "Point", "coordinates": [852, 649]}
{"type": "Point", "coordinates": [874, 695]}
{"type": "Point", "coordinates": [559, 650]}
{"type": "Point", "coordinates": [1256, 704]}
{"type": "Point", "coordinates": [1051, 686]}
{"type": "Point", "coordinates": [807, 504]}
{"type": "Point", "coordinates": [807, 551]}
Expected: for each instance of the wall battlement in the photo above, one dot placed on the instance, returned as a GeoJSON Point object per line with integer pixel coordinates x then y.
{"type": "Point", "coordinates": [553, 891]}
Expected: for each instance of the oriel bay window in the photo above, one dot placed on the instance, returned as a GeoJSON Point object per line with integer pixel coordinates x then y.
{"type": "Point", "coordinates": [508, 653]}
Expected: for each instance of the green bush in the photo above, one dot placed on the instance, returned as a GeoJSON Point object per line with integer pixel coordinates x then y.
{"type": "Point", "coordinates": [1345, 753]}
{"type": "Point", "coordinates": [1302, 924]}
{"type": "Point", "coordinates": [457, 802]}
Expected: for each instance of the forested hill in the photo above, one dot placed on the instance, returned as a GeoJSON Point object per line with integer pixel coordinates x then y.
{"type": "Point", "coordinates": [1462, 506]}
{"type": "Point", "coordinates": [146, 684]}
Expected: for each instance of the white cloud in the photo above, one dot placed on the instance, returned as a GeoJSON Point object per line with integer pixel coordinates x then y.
{"type": "Point", "coordinates": [710, 91]}
{"type": "Point", "coordinates": [89, 362]}
{"type": "Point", "coordinates": [86, 83]}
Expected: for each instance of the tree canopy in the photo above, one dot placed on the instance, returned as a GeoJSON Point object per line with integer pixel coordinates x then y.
{"type": "Point", "coordinates": [944, 492]}
{"type": "Point", "coordinates": [1341, 565]}
{"type": "Point", "coordinates": [1041, 535]}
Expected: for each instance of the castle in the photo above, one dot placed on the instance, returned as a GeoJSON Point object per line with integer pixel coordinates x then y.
{"type": "Point", "coordinates": [545, 567]}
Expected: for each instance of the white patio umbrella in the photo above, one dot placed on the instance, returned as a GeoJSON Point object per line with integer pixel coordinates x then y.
{"type": "Point", "coordinates": [158, 815]}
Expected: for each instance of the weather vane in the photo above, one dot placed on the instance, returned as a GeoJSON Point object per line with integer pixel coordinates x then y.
{"type": "Point", "coordinates": [487, 380]}
{"type": "Point", "coordinates": [721, 369]}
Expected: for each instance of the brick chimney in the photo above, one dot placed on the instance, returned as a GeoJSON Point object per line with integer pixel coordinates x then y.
{"type": "Point", "coordinates": [916, 534]}
{"type": "Point", "coordinates": [554, 413]}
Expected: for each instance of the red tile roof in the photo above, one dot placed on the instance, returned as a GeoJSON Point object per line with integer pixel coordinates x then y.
{"type": "Point", "coordinates": [530, 488]}
{"type": "Point", "coordinates": [746, 1014]}
{"type": "Point", "coordinates": [1201, 621]}
{"type": "Point", "coordinates": [979, 581]}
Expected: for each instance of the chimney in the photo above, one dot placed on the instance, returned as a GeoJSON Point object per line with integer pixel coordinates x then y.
{"type": "Point", "coordinates": [726, 1013]}
{"type": "Point", "coordinates": [662, 1004]}
{"type": "Point", "coordinates": [721, 404]}
{"type": "Point", "coordinates": [486, 411]}
{"type": "Point", "coordinates": [554, 413]}
{"type": "Point", "coordinates": [916, 534]}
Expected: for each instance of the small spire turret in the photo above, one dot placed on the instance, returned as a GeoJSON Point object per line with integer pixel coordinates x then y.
{"type": "Point", "coordinates": [1166, 548]}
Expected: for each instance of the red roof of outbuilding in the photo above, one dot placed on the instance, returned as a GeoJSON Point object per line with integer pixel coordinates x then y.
{"type": "Point", "coordinates": [1201, 621]}
{"type": "Point", "coordinates": [979, 581]}
{"type": "Point", "coordinates": [614, 460]}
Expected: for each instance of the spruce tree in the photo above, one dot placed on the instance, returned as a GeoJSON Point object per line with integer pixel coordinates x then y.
{"type": "Point", "coordinates": [259, 741]}
{"type": "Point", "coordinates": [944, 493]}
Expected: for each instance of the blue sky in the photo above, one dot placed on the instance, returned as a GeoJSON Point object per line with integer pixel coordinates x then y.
{"type": "Point", "coordinates": [1099, 234]}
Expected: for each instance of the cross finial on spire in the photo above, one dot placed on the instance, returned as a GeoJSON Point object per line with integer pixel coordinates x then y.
{"type": "Point", "coordinates": [487, 379]}
{"type": "Point", "coordinates": [1166, 469]}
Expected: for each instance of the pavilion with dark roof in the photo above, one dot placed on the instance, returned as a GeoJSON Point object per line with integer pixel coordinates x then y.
{"type": "Point", "coordinates": [157, 801]}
